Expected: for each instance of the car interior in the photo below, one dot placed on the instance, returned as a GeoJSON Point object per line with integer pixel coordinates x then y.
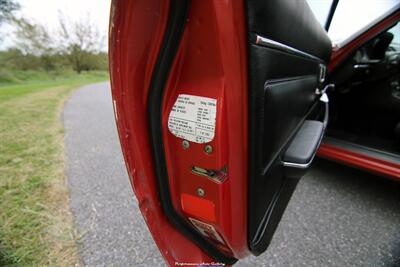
{"type": "Point", "coordinates": [365, 104]}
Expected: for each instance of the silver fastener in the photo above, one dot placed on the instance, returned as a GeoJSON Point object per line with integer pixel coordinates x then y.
{"type": "Point", "coordinates": [201, 192]}
{"type": "Point", "coordinates": [208, 149]}
{"type": "Point", "coordinates": [185, 144]}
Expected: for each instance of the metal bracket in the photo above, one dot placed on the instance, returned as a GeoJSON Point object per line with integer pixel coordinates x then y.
{"type": "Point", "coordinates": [322, 73]}
{"type": "Point", "coordinates": [323, 91]}
{"type": "Point", "coordinates": [216, 175]}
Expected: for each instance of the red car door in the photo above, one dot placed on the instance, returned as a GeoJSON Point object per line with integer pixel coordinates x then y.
{"type": "Point", "coordinates": [219, 112]}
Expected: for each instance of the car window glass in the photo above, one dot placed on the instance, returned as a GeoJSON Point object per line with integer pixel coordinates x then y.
{"type": "Point", "coordinates": [351, 16]}
{"type": "Point", "coordinates": [395, 44]}
{"type": "Point", "coordinates": [320, 8]}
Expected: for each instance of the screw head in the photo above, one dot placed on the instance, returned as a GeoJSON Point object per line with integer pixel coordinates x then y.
{"type": "Point", "coordinates": [208, 149]}
{"type": "Point", "coordinates": [185, 144]}
{"type": "Point", "coordinates": [201, 192]}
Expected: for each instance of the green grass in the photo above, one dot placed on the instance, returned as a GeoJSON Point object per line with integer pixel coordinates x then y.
{"type": "Point", "coordinates": [35, 221]}
{"type": "Point", "coordinates": [10, 90]}
{"type": "Point", "coordinates": [13, 76]}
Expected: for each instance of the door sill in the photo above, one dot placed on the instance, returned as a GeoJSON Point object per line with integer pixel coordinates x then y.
{"type": "Point", "coordinates": [362, 157]}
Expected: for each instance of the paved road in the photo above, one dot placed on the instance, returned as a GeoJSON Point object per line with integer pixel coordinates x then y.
{"type": "Point", "coordinates": [337, 216]}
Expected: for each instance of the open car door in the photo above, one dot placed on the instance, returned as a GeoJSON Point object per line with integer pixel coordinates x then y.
{"type": "Point", "coordinates": [219, 112]}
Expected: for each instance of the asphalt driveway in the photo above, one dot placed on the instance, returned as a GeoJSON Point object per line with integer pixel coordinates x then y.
{"type": "Point", "coordinates": [337, 216]}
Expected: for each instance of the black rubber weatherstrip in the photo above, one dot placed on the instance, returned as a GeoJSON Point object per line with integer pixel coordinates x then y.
{"type": "Point", "coordinates": [178, 11]}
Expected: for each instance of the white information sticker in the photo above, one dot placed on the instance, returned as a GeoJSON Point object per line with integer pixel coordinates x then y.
{"type": "Point", "coordinates": [193, 118]}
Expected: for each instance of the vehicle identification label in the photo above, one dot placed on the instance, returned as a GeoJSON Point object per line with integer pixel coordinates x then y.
{"type": "Point", "coordinates": [193, 118]}
{"type": "Point", "coordinates": [207, 230]}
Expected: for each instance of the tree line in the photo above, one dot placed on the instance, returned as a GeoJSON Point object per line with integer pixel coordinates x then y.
{"type": "Point", "coordinates": [75, 45]}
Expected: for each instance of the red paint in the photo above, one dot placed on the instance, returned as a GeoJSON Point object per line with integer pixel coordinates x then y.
{"type": "Point", "coordinates": [198, 207]}
{"type": "Point", "coordinates": [211, 62]}
{"type": "Point", "coordinates": [136, 31]}
{"type": "Point", "coordinates": [359, 160]}
{"type": "Point", "coordinates": [344, 52]}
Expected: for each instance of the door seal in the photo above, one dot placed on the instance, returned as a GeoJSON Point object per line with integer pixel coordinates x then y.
{"type": "Point", "coordinates": [178, 11]}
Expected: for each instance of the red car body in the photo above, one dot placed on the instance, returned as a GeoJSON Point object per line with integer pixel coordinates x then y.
{"type": "Point", "coordinates": [131, 64]}
{"type": "Point", "coordinates": [211, 60]}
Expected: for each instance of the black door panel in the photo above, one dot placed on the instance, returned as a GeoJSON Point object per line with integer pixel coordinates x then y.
{"type": "Point", "coordinates": [290, 22]}
{"type": "Point", "coordinates": [286, 102]}
{"type": "Point", "coordinates": [287, 48]}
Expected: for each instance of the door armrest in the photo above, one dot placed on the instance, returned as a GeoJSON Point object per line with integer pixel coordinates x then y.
{"type": "Point", "coordinates": [303, 147]}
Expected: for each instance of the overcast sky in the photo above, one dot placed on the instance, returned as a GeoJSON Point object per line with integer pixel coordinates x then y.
{"type": "Point", "coordinates": [46, 12]}
{"type": "Point", "coordinates": [351, 15]}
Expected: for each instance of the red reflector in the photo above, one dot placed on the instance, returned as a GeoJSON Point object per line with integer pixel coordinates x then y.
{"type": "Point", "coordinates": [198, 207]}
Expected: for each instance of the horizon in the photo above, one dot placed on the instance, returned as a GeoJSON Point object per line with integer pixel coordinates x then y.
{"type": "Point", "coordinates": [49, 17]}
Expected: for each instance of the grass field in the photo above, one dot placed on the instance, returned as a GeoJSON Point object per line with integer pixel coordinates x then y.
{"type": "Point", "coordinates": [35, 221]}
